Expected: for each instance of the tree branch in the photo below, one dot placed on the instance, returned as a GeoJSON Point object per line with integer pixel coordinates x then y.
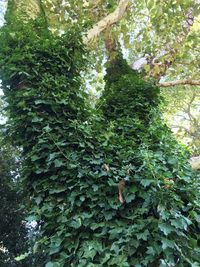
{"type": "Point", "coordinates": [179, 82]}
{"type": "Point", "coordinates": [158, 67]}
{"type": "Point", "coordinates": [106, 22]}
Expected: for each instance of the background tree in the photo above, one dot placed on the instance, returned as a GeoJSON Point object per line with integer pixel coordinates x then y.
{"type": "Point", "coordinates": [181, 110]}
{"type": "Point", "coordinates": [17, 237]}
{"type": "Point", "coordinates": [13, 230]}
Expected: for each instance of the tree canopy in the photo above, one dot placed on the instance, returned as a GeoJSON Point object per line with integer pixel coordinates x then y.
{"type": "Point", "coordinates": [162, 37]}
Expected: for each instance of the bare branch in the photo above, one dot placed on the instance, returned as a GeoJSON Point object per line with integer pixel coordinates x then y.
{"type": "Point", "coordinates": [106, 22]}
{"type": "Point", "coordinates": [179, 82]}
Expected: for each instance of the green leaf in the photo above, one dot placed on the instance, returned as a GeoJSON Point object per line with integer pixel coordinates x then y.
{"type": "Point", "coordinates": [76, 223]}
{"type": "Point", "coordinates": [52, 156]}
{"type": "Point", "coordinates": [37, 119]}
{"type": "Point", "coordinates": [112, 183]}
{"type": "Point", "coordinates": [59, 189]}
{"type": "Point", "coordinates": [95, 187]}
{"type": "Point", "coordinates": [181, 223]}
{"type": "Point", "coordinates": [144, 235]}
{"type": "Point", "coordinates": [54, 250]}
{"type": "Point", "coordinates": [58, 163]}
{"type": "Point", "coordinates": [89, 253]}
{"type": "Point", "coordinates": [129, 198]}
{"type": "Point", "coordinates": [146, 182]}
{"type": "Point", "coordinates": [22, 256]}
{"type": "Point", "coordinates": [151, 251]}
{"type": "Point", "coordinates": [40, 101]}
{"type": "Point", "coordinates": [38, 200]}
{"type": "Point", "coordinates": [166, 228]}
{"type": "Point", "coordinates": [35, 157]}
{"type": "Point", "coordinates": [166, 243]}
{"type": "Point", "coordinates": [120, 261]}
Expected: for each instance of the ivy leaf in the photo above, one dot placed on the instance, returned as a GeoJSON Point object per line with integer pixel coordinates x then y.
{"type": "Point", "coordinates": [38, 200]}
{"type": "Point", "coordinates": [35, 157]}
{"type": "Point", "coordinates": [151, 251]}
{"type": "Point", "coordinates": [40, 101]}
{"type": "Point", "coordinates": [115, 248]}
{"type": "Point", "coordinates": [37, 119]}
{"type": "Point", "coordinates": [120, 261]}
{"type": "Point", "coordinates": [76, 223]}
{"type": "Point", "coordinates": [143, 236]}
{"type": "Point", "coordinates": [112, 183]}
{"type": "Point", "coordinates": [166, 243]}
{"type": "Point", "coordinates": [57, 190]}
{"type": "Point", "coordinates": [52, 156]}
{"type": "Point", "coordinates": [129, 198]}
{"type": "Point", "coordinates": [181, 223]}
{"type": "Point", "coordinates": [89, 253]}
{"type": "Point", "coordinates": [58, 163]}
{"type": "Point", "coordinates": [146, 182]}
{"type": "Point", "coordinates": [54, 249]}
{"type": "Point", "coordinates": [95, 187]}
{"type": "Point", "coordinates": [166, 228]}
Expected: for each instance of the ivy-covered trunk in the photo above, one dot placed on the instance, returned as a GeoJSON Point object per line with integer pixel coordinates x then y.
{"type": "Point", "coordinates": [112, 188]}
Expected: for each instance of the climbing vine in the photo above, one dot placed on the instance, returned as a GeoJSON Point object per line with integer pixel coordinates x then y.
{"type": "Point", "coordinates": [108, 187]}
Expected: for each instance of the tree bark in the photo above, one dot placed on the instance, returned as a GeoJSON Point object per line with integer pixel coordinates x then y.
{"type": "Point", "coordinates": [106, 22]}
{"type": "Point", "coordinates": [179, 82]}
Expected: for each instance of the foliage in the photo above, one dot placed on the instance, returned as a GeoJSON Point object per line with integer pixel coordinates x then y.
{"type": "Point", "coordinates": [138, 99]}
{"type": "Point", "coordinates": [13, 231]}
{"type": "Point", "coordinates": [181, 111]}
{"type": "Point", "coordinates": [160, 184]}
{"type": "Point", "coordinates": [17, 237]}
{"type": "Point", "coordinates": [159, 30]}
{"type": "Point", "coordinates": [144, 30]}
{"type": "Point", "coordinates": [73, 161]}
{"type": "Point", "coordinates": [41, 81]}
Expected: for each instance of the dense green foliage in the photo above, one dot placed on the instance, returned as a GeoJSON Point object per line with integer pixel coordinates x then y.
{"type": "Point", "coordinates": [127, 93]}
{"type": "Point", "coordinates": [13, 231]}
{"type": "Point", "coordinates": [73, 162]}
{"type": "Point", "coordinates": [160, 195]}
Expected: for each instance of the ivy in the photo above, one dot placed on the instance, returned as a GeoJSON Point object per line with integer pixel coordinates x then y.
{"type": "Point", "coordinates": [74, 159]}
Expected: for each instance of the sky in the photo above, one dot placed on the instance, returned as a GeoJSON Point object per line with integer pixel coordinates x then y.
{"type": "Point", "coordinates": [1, 92]}
{"type": "Point", "coordinates": [2, 12]}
